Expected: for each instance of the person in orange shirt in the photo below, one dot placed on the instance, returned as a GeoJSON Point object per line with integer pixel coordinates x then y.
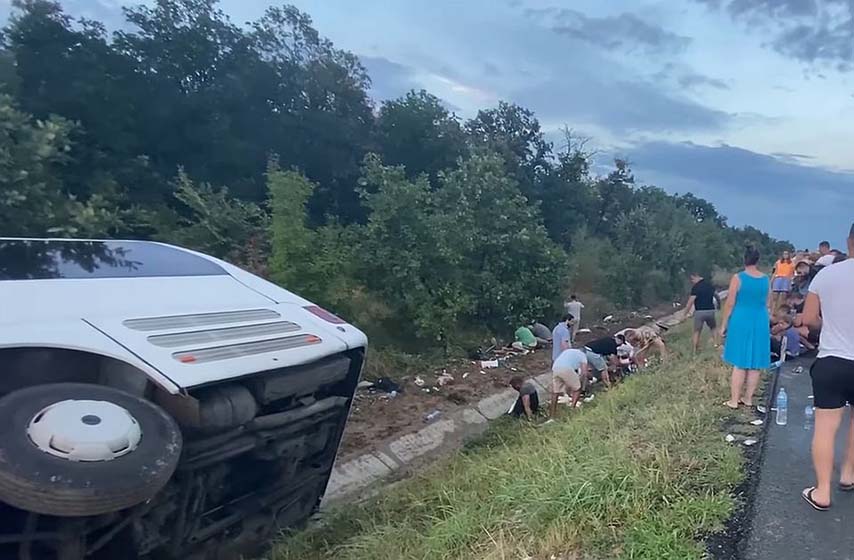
{"type": "Point", "coordinates": [781, 285]}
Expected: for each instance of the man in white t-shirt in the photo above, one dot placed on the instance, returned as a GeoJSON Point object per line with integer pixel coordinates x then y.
{"type": "Point", "coordinates": [830, 305]}
{"type": "Point", "coordinates": [568, 371]}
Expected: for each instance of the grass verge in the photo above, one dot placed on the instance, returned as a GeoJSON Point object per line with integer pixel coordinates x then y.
{"type": "Point", "coordinates": [640, 475]}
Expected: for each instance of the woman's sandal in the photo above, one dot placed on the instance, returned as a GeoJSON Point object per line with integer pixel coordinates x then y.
{"type": "Point", "coordinates": [726, 404]}
{"type": "Point", "coordinates": [846, 486]}
{"type": "Point", "coordinates": [807, 496]}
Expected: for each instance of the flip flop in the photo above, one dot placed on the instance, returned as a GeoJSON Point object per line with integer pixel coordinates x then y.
{"type": "Point", "coordinates": [846, 486]}
{"type": "Point", "coordinates": [726, 404]}
{"type": "Point", "coordinates": [807, 496]}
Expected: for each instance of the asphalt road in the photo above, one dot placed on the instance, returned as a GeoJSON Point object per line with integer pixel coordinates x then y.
{"type": "Point", "coordinates": [784, 526]}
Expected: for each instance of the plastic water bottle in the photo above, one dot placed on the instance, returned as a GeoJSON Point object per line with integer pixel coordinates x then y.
{"type": "Point", "coordinates": [782, 407]}
{"type": "Point", "coordinates": [809, 414]}
{"type": "Point", "coordinates": [432, 416]}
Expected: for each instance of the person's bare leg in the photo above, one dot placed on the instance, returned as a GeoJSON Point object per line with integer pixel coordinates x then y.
{"type": "Point", "coordinates": [695, 340]}
{"type": "Point", "coordinates": [716, 335]}
{"type": "Point", "coordinates": [752, 384]}
{"type": "Point", "coordinates": [826, 423]}
{"type": "Point", "coordinates": [606, 379]}
{"type": "Point", "coordinates": [846, 474]}
{"type": "Point", "coordinates": [735, 385]}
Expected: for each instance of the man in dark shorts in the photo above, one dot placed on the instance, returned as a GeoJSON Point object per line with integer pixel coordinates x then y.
{"type": "Point", "coordinates": [528, 402]}
{"type": "Point", "coordinates": [602, 355]}
{"type": "Point", "coordinates": [702, 301]}
{"type": "Point", "coordinates": [830, 305]}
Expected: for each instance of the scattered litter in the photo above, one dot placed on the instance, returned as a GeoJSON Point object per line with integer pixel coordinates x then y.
{"type": "Point", "coordinates": [418, 381]}
{"type": "Point", "coordinates": [488, 364]}
{"type": "Point", "coordinates": [547, 422]}
{"type": "Point", "coordinates": [432, 416]}
{"type": "Point", "coordinates": [514, 369]}
{"type": "Point", "coordinates": [365, 384]}
{"type": "Point", "coordinates": [647, 316]}
{"type": "Point", "coordinates": [482, 372]}
{"type": "Point", "coordinates": [444, 379]}
{"type": "Point", "coordinates": [799, 369]}
{"type": "Point", "coordinates": [583, 331]}
{"type": "Point", "coordinates": [761, 409]}
{"type": "Point", "coordinates": [757, 422]}
{"type": "Point", "coordinates": [608, 318]}
{"type": "Point", "coordinates": [749, 442]}
{"type": "Point", "coordinates": [590, 398]}
{"type": "Point", "coordinates": [466, 374]}
{"type": "Point", "coordinates": [386, 385]}
{"type": "Point", "coordinates": [426, 389]}
{"type": "Point", "coordinates": [392, 395]}
{"type": "Point", "coordinates": [730, 438]}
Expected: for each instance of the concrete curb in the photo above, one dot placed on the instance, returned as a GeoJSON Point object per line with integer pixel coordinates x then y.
{"type": "Point", "coordinates": [437, 439]}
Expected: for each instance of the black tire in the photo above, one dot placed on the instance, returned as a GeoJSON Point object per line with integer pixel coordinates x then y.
{"type": "Point", "coordinates": [36, 481]}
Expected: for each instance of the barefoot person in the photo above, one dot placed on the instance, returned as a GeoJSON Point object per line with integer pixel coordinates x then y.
{"type": "Point", "coordinates": [830, 305]}
{"type": "Point", "coordinates": [746, 326]}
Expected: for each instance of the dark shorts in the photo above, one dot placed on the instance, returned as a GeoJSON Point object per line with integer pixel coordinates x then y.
{"type": "Point", "coordinates": [519, 407]}
{"type": "Point", "coordinates": [704, 317]}
{"type": "Point", "coordinates": [832, 382]}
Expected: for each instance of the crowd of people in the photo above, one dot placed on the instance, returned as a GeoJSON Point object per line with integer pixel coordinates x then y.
{"type": "Point", "coordinates": [806, 304]}
{"type": "Point", "coordinates": [576, 366]}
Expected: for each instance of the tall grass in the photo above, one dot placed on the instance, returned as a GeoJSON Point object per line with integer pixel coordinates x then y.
{"type": "Point", "coordinates": [640, 475]}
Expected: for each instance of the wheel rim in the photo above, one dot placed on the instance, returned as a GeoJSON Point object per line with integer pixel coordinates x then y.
{"type": "Point", "coordinates": [83, 430]}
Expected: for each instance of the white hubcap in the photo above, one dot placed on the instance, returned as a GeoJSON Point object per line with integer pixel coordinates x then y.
{"type": "Point", "coordinates": [85, 430]}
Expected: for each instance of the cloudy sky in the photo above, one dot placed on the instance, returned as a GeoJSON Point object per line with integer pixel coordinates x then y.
{"type": "Point", "coordinates": [748, 103]}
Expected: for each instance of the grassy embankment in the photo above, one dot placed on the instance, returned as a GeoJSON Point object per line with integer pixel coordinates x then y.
{"type": "Point", "coordinates": [641, 474]}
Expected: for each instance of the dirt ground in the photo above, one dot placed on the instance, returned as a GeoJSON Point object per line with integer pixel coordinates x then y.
{"type": "Point", "coordinates": [377, 417]}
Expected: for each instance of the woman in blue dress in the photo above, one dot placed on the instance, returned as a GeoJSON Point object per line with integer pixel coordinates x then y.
{"type": "Point", "coordinates": [747, 329]}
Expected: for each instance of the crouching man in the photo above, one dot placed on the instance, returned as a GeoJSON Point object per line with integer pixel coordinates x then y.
{"type": "Point", "coordinates": [528, 402]}
{"type": "Point", "coordinates": [568, 373]}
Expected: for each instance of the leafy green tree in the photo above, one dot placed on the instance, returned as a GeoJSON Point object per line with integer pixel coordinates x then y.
{"type": "Point", "coordinates": [513, 271]}
{"type": "Point", "coordinates": [33, 197]}
{"type": "Point", "coordinates": [211, 221]}
{"type": "Point", "coordinates": [417, 132]}
{"type": "Point", "coordinates": [514, 133]}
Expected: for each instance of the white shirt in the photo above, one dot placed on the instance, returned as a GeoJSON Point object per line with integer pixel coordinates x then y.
{"type": "Point", "coordinates": [570, 359]}
{"type": "Point", "coordinates": [834, 286]}
{"type": "Point", "coordinates": [574, 308]}
{"type": "Point", "coordinates": [825, 260]}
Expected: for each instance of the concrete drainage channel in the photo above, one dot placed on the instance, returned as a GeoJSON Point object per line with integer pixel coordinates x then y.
{"type": "Point", "coordinates": [436, 439]}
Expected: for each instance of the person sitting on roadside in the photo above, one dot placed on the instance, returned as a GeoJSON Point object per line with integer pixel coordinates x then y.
{"type": "Point", "coordinates": [803, 276]}
{"type": "Point", "coordinates": [528, 402]}
{"type": "Point", "coordinates": [602, 357]}
{"type": "Point", "coordinates": [646, 342]}
{"type": "Point", "coordinates": [781, 279]}
{"type": "Point", "coordinates": [568, 374]}
{"type": "Point", "coordinates": [542, 332]}
{"type": "Point", "coordinates": [562, 336]}
{"type": "Point", "coordinates": [782, 328]}
{"type": "Point", "coordinates": [525, 340]}
{"type": "Point", "coordinates": [702, 303]}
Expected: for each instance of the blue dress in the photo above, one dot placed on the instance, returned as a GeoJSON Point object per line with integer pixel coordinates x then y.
{"type": "Point", "coordinates": [748, 337]}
